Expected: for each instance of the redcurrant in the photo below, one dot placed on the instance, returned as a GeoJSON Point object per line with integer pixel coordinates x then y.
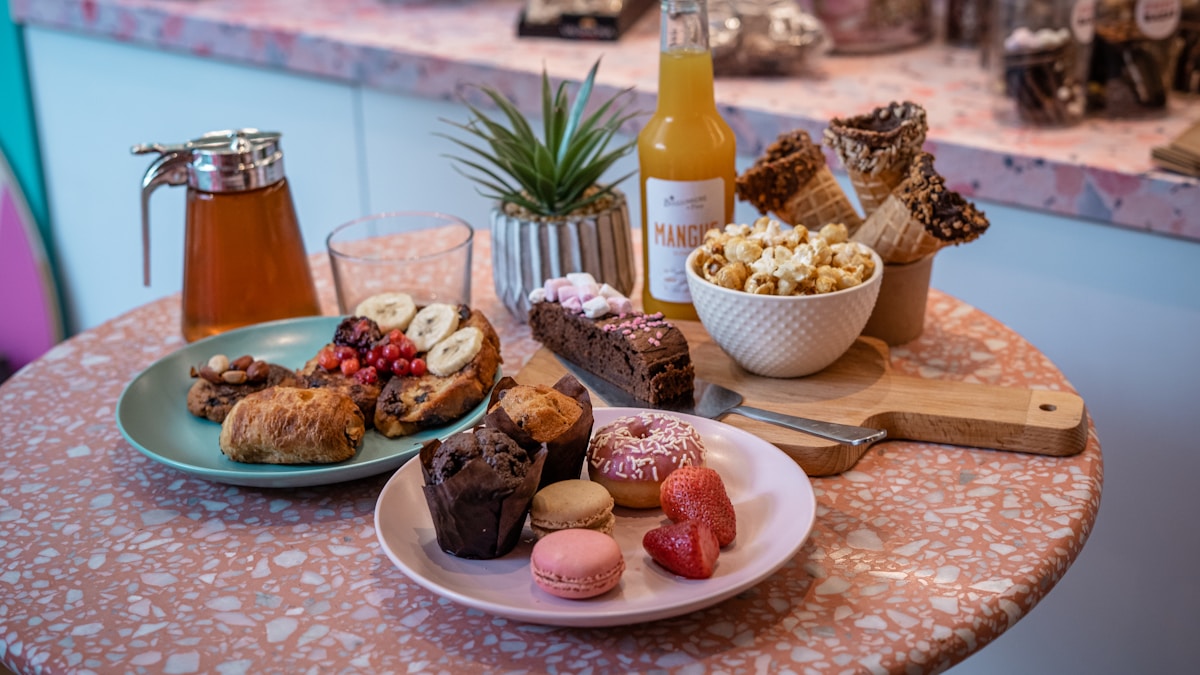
{"type": "Point", "coordinates": [400, 367]}
{"type": "Point", "coordinates": [350, 366]}
{"type": "Point", "coordinates": [328, 359]}
{"type": "Point", "coordinates": [408, 348]}
{"type": "Point", "coordinates": [367, 375]}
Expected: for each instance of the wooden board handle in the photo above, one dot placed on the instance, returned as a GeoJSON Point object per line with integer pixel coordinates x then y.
{"type": "Point", "coordinates": [1022, 420]}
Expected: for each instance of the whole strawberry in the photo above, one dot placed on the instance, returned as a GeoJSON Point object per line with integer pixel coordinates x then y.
{"type": "Point", "coordinates": [697, 492]}
{"type": "Point", "coordinates": [688, 549]}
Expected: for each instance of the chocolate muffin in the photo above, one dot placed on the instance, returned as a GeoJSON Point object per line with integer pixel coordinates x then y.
{"type": "Point", "coordinates": [478, 486]}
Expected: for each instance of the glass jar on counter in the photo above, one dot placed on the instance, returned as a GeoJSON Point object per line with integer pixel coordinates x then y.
{"type": "Point", "coordinates": [966, 22]}
{"type": "Point", "coordinates": [1040, 54]}
{"type": "Point", "coordinates": [1187, 45]}
{"type": "Point", "coordinates": [1132, 57]}
{"type": "Point", "coordinates": [868, 26]}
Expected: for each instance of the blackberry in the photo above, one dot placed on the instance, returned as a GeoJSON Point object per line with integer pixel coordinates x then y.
{"type": "Point", "coordinates": [357, 332]}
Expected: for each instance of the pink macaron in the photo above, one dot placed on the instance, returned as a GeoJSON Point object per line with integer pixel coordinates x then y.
{"type": "Point", "coordinates": [576, 563]}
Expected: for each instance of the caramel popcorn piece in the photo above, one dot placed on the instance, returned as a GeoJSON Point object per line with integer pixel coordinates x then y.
{"type": "Point", "coordinates": [767, 259]}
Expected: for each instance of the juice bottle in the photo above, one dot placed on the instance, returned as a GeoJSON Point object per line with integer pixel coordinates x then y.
{"type": "Point", "coordinates": [686, 153]}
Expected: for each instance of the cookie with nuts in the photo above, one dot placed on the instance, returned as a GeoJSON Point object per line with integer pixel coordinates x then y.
{"type": "Point", "coordinates": [221, 383]}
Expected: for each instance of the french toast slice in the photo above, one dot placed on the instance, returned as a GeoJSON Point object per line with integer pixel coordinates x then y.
{"type": "Point", "coordinates": [410, 404]}
{"type": "Point", "coordinates": [313, 376]}
{"type": "Point", "coordinates": [214, 401]}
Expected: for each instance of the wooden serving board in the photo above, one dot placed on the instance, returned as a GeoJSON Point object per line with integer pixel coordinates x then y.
{"type": "Point", "coordinates": [860, 388]}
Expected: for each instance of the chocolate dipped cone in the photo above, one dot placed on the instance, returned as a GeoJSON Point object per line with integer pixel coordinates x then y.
{"type": "Point", "coordinates": [877, 149]}
{"type": "Point", "coordinates": [792, 181]}
{"type": "Point", "coordinates": [921, 217]}
{"type": "Point", "coordinates": [874, 189]}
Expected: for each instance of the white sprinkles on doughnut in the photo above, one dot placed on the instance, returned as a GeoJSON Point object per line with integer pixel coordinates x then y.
{"type": "Point", "coordinates": [643, 444]}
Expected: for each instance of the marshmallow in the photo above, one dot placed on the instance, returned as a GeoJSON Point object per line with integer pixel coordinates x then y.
{"type": "Point", "coordinates": [580, 278]}
{"type": "Point", "coordinates": [537, 295]}
{"type": "Point", "coordinates": [572, 303]}
{"type": "Point", "coordinates": [567, 292]}
{"type": "Point", "coordinates": [620, 305]}
{"type": "Point", "coordinates": [552, 286]}
{"type": "Point", "coordinates": [587, 291]}
{"type": "Point", "coordinates": [595, 308]}
{"type": "Point", "coordinates": [610, 292]}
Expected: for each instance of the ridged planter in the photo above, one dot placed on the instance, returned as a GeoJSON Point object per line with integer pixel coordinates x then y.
{"type": "Point", "coordinates": [525, 252]}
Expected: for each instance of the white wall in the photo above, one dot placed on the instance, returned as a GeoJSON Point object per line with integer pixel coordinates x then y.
{"type": "Point", "coordinates": [95, 99]}
{"type": "Point", "coordinates": [1118, 311]}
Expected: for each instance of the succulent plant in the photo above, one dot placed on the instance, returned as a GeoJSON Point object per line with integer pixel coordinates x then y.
{"type": "Point", "coordinates": [557, 174]}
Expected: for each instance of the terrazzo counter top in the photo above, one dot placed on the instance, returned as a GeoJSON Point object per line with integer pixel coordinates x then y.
{"type": "Point", "coordinates": [1099, 170]}
{"type": "Point", "coordinates": [921, 553]}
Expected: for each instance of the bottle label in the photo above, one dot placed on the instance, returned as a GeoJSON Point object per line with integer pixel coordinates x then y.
{"type": "Point", "coordinates": [678, 213]}
{"type": "Point", "coordinates": [1157, 19]}
{"type": "Point", "coordinates": [1083, 20]}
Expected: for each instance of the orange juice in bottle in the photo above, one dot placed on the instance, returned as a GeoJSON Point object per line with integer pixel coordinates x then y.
{"type": "Point", "coordinates": [686, 153]}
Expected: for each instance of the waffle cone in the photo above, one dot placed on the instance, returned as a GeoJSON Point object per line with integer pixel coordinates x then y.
{"type": "Point", "coordinates": [820, 202]}
{"type": "Point", "coordinates": [895, 235]}
{"type": "Point", "coordinates": [874, 189]}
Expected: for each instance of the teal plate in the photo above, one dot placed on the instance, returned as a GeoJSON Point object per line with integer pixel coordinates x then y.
{"type": "Point", "coordinates": [152, 412]}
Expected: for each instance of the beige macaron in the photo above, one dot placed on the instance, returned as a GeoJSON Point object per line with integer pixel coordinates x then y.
{"type": "Point", "coordinates": [571, 504]}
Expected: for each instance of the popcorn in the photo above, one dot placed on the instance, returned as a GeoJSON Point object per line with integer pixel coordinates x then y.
{"type": "Point", "coordinates": [790, 261]}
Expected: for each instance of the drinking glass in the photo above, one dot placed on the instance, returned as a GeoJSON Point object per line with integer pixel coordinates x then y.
{"type": "Point", "coordinates": [422, 253]}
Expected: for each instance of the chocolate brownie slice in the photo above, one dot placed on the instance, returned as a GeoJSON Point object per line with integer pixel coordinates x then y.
{"type": "Point", "coordinates": [641, 353]}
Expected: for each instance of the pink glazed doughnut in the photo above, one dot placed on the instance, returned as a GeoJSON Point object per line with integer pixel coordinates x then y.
{"type": "Point", "coordinates": [576, 563]}
{"type": "Point", "coordinates": [633, 455]}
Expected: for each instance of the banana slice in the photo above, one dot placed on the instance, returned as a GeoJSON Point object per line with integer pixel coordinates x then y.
{"type": "Point", "coordinates": [450, 355]}
{"type": "Point", "coordinates": [389, 310]}
{"type": "Point", "coordinates": [431, 325]}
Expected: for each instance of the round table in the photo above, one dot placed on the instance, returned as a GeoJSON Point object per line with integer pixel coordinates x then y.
{"type": "Point", "coordinates": [921, 553]}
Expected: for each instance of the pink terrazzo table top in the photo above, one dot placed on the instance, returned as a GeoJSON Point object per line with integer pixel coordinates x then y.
{"type": "Point", "coordinates": [1099, 170]}
{"type": "Point", "coordinates": [921, 554]}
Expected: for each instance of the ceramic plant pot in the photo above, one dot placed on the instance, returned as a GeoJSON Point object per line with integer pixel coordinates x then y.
{"type": "Point", "coordinates": [527, 252]}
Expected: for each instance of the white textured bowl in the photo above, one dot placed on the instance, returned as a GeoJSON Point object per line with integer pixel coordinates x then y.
{"type": "Point", "coordinates": [783, 336]}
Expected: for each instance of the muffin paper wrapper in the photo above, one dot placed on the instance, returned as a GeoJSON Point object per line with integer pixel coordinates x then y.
{"type": "Point", "coordinates": [565, 454]}
{"type": "Point", "coordinates": [475, 514]}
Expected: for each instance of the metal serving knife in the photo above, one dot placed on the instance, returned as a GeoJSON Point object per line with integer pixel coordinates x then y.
{"type": "Point", "coordinates": [714, 401]}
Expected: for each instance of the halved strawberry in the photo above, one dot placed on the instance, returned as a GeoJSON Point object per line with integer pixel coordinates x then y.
{"type": "Point", "coordinates": [688, 549]}
{"type": "Point", "coordinates": [698, 492]}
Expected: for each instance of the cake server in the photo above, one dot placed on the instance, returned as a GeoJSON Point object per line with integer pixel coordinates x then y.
{"type": "Point", "coordinates": [715, 401]}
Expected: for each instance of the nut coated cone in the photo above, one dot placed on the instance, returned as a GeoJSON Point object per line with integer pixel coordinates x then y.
{"type": "Point", "coordinates": [895, 235]}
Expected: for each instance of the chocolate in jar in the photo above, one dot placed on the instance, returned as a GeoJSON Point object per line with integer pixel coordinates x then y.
{"type": "Point", "coordinates": [1186, 78]}
{"type": "Point", "coordinates": [1131, 57]}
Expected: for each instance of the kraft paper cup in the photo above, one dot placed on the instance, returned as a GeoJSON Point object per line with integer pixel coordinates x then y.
{"type": "Point", "coordinates": [424, 254]}
{"type": "Point", "coordinates": [899, 314]}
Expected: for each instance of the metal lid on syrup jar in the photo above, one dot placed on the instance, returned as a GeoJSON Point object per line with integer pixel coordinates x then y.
{"type": "Point", "coordinates": [222, 161]}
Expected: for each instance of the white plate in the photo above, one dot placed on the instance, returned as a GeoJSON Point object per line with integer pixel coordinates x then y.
{"type": "Point", "coordinates": [771, 495]}
{"type": "Point", "coordinates": [152, 412]}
